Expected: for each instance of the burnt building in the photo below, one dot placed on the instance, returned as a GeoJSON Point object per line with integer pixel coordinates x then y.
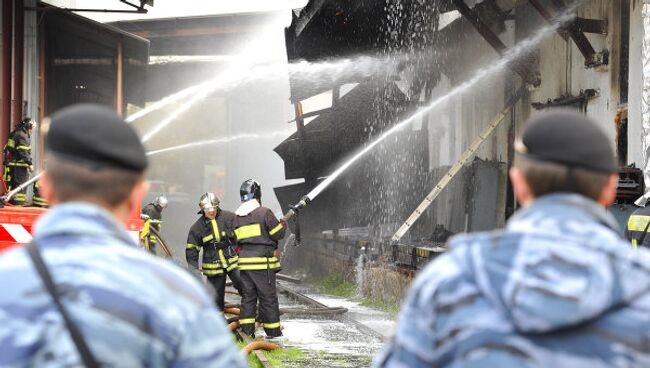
{"type": "Point", "coordinates": [436, 46]}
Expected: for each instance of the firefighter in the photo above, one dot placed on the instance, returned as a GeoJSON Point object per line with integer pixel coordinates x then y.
{"type": "Point", "coordinates": [153, 214]}
{"type": "Point", "coordinates": [18, 159]}
{"type": "Point", "coordinates": [212, 232]}
{"type": "Point", "coordinates": [638, 225]}
{"type": "Point", "coordinates": [257, 231]}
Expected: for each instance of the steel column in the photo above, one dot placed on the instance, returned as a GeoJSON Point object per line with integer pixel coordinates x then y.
{"type": "Point", "coordinates": [7, 32]}
{"type": "Point", "coordinates": [18, 59]}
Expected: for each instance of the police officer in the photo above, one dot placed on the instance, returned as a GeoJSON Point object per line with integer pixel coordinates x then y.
{"type": "Point", "coordinates": [257, 231]}
{"type": "Point", "coordinates": [152, 213]}
{"type": "Point", "coordinates": [94, 182]}
{"type": "Point", "coordinates": [18, 159]}
{"type": "Point", "coordinates": [212, 232]}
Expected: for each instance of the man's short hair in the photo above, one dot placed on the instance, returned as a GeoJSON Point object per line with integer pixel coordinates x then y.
{"type": "Point", "coordinates": [544, 177]}
{"type": "Point", "coordinates": [71, 181]}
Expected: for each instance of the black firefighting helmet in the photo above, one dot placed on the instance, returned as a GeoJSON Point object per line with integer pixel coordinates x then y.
{"type": "Point", "coordinates": [250, 189]}
{"type": "Point", "coordinates": [208, 201]}
{"type": "Point", "coordinates": [26, 124]}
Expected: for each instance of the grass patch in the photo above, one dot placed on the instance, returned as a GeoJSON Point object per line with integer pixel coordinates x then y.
{"type": "Point", "coordinates": [375, 303]}
{"type": "Point", "coordinates": [281, 357]}
{"type": "Point", "coordinates": [252, 360]}
{"type": "Point", "coordinates": [334, 285]}
{"type": "Point", "coordinates": [278, 358]}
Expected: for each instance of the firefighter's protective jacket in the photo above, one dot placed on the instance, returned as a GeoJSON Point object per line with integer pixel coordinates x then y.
{"type": "Point", "coordinates": [19, 149]}
{"type": "Point", "coordinates": [257, 231]}
{"type": "Point", "coordinates": [215, 237]}
{"type": "Point", "coordinates": [155, 220]}
{"type": "Point", "coordinates": [638, 226]}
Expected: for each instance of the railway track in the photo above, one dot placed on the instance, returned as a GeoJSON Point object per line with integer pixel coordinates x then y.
{"type": "Point", "coordinates": [301, 308]}
{"type": "Point", "coordinates": [302, 298]}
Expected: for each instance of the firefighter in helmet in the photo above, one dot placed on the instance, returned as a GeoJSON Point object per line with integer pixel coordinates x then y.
{"type": "Point", "coordinates": [18, 159]}
{"type": "Point", "coordinates": [152, 213]}
{"type": "Point", "coordinates": [258, 231]}
{"type": "Point", "coordinates": [212, 232]}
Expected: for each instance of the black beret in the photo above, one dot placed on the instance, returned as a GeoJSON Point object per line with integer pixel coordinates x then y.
{"type": "Point", "coordinates": [95, 136]}
{"type": "Point", "coordinates": [569, 138]}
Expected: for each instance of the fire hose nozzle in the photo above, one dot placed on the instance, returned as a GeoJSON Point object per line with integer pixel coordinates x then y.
{"type": "Point", "coordinates": [304, 201]}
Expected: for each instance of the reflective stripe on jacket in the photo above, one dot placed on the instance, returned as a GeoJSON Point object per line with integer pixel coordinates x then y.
{"type": "Point", "coordinates": [215, 238]}
{"type": "Point", "coordinates": [637, 224]}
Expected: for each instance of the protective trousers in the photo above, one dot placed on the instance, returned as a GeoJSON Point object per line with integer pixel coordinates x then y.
{"type": "Point", "coordinates": [235, 277]}
{"type": "Point", "coordinates": [259, 285]}
{"type": "Point", "coordinates": [219, 284]}
{"type": "Point", "coordinates": [19, 175]}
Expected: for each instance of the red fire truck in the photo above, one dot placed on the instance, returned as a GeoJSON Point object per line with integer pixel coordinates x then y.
{"type": "Point", "coordinates": [17, 223]}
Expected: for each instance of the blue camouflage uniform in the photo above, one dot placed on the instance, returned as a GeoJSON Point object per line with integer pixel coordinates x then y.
{"type": "Point", "coordinates": [132, 309]}
{"type": "Point", "coordinates": [559, 287]}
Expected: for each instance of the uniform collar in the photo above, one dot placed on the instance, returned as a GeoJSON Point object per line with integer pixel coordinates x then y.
{"type": "Point", "coordinates": [247, 207]}
{"type": "Point", "coordinates": [80, 218]}
{"type": "Point", "coordinates": [563, 203]}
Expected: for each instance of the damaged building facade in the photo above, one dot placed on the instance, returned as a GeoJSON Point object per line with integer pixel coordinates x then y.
{"type": "Point", "coordinates": [593, 62]}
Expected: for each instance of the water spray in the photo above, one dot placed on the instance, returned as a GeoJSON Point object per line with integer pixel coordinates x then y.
{"type": "Point", "coordinates": [507, 58]}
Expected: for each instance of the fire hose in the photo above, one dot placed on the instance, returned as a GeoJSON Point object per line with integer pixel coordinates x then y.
{"type": "Point", "coordinates": [293, 214]}
{"type": "Point", "coordinates": [7, 197]}
{"type": "Point", "coordinates": [163, 245]}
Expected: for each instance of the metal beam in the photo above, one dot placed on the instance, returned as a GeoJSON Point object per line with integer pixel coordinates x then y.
{"type": "Point", "coordinates": [596, 26]}
{"type": "Point", "coordinates": [18, 61]}
{"type": "Point", "coordinates": [50, 9]}
{"type": "Point", "coordinates": [579, 38]}
{"type": "Point", "coordinates": [494, 41]}
{"type": "Point", "coordinates": [7, 32]}
{"type": "Point", "coordinates": [458, 165]}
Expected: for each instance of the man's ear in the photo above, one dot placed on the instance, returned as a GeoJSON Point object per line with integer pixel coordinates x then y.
{"type": "Point", "coordinates": [522, 190]}
{"type": "Point", "coordinates": [608, 194]}
{"type": "Point", "coordinates": [135, 199]}
{"type": "Point", "coordinates": [47, 190]}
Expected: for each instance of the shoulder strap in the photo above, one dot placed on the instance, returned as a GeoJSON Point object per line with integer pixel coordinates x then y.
{"type": "Point", "coordinates": [86, 355]}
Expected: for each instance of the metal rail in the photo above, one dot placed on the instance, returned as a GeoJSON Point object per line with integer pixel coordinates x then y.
{"type": "Point", "coordinates": [309, 301]}
{"type": "Point", "coordinates": [455, 169]}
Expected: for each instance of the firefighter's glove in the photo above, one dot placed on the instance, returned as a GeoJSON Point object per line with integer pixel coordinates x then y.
{"type": "Point", "coordinates": [144, 217]}
{"type": "Point", "coordinates": [30, 168]}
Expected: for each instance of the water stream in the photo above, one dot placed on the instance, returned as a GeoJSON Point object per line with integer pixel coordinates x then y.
{"type": "Point", "coordinates": [516, 52]}
{"type": "Point", "coordinates": [242, 74]}
{"type": "Point", "coordinates": [224, 140]}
